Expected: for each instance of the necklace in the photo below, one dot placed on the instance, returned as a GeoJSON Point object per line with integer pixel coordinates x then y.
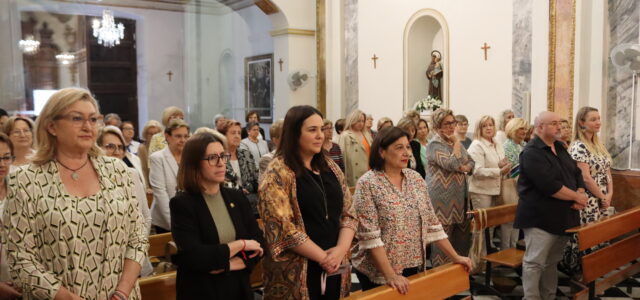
{"type": "Point", "coordinates": [324, 196]}
{"type": "Point", "coordinates": [75, 176]}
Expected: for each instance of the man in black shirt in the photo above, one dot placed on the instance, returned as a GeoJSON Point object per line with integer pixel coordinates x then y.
{"type": "Point", "coordinates": [551, 192]}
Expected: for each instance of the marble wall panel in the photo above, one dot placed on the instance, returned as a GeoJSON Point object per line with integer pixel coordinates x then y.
{"type": "Point", "coordinates": [521, 54]}
{"type": "Point", "coordinates": [351, 56]}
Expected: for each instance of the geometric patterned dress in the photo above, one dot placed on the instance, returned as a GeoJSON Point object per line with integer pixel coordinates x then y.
{"type": "Point", "coordinates": [55, 239]}
{"type": "Point", "coordinates": [447, 188]}
{"type": "Point", "coordinates": [599, 166]}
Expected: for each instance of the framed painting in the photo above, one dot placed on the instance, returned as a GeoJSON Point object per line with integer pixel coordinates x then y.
{"type": "Point", "coordinates": [562, 29]}
{"type": "Point", "coordinates": [258, 81]}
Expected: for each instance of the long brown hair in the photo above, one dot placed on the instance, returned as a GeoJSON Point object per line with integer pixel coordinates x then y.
{"type": "Point", "coordinates": [190, 171]}
{"type": "Point", "coordinates": [289, 147]}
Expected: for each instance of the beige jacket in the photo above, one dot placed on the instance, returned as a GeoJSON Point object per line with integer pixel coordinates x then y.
{"type": "Point", "coordinates": [356, 161]}
{"type": "Point", "coordinates": [486, 177]}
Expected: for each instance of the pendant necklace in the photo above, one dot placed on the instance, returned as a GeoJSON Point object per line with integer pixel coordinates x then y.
{"type": "Point", "coordinates": [75, 176]}
{"type": "Point", "coordinates": [324, 196]}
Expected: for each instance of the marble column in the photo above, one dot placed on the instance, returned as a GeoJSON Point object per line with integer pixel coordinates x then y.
{"type": "Point", "coordinates": [521, 54]}
{"type": "Point", "coordinates": [351, 56]}
{"type": "Point", "coordinates": [624, 19]}
{"type": "Point", "coordinates": [12, 95]}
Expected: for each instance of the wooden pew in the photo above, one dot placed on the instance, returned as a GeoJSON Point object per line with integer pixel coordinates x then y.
{"type": "Point", "coordinates": [161, 245]}
{"type": "Point", "coordinates": [621, 230]}
{"type": "Point", "coordinates": [149, 199]}
{"type": "Point", "coordinates": [438, 283]}
{"type": "Point", "coordinates": [158, 287]}
{"type": "Point", "coordinates": [496, 216]}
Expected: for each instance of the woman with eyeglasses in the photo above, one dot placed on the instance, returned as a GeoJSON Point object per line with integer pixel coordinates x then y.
{"type": "Point", "coordinates": [112, 141]}
{"type": "Point", "coordinates": [163, 171]}
{"type": "Point", "coordinates": [7, 289]}
{"type": "Point", "coordinates": [218, 238]}
{"type": "Point", "coordinates": [20, 131]}
{"type": "Point", "coordinates": [447, 166]}
{"type": "Point", "coordinates": [71, 221]}
{"type": "Point", "coordinates": [332, 148]}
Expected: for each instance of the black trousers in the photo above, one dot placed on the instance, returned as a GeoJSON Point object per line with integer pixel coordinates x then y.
{"type": "Point", "coordinates": [314, 272]}
{"type": "Point", "coordinates": [367, 284]}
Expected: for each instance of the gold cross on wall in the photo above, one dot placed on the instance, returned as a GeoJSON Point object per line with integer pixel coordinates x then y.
{"type": "Point", "coordinates": [169, 74]}
{"type": "Point", "coordinates": [375, 59]}
{"type": "Point", "coordinates": [485, 48]}
{"type": "Point", "coordinates": [280, 62]}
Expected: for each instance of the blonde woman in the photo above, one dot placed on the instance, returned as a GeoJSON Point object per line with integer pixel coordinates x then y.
{"type": "Point", "coordinates": [151, 128]}
{"type": "Point", "coordinates": [355, 143]}
{"type": "Point", "coordinates": [384, 122]}
{"type": "Point", "coordinates": [595, 163]}
{"type": "Point", "coordinates": [20, 131]}
{"type": "Point", "coordinates": [490, 164]}
{"type": "Point", "coordinates": [71, 220]}
{"type": "Point", "coordinates": [516, 131]}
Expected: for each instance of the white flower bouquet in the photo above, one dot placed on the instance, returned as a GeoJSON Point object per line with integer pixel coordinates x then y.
{"type": "Point", "coordinates": [428, 103]}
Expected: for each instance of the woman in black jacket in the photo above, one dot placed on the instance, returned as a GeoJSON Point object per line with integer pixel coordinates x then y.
{"type": "Point", "coordinates": [218, 239]}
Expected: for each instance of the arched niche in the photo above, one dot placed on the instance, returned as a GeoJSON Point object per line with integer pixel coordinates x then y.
{"type": "Point", "coordinates": [425, 31]}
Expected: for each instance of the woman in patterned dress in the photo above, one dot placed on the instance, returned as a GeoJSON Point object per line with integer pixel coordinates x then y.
{"type": "Point", "coordinates": [397, 221]}
{"type": "Point", "coordinates": [448, 163]}
{"type": "Point", "coordinates": [72, 223]}
{"type": "Point", "coordinates": [516, 131]}
{"type": "Point", "coordinates": [595, 163]}
{"type": "Point", "coordinates": [307, 213]}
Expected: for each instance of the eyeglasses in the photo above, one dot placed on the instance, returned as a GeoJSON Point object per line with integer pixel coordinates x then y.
{"type": "Point", "coordinates": [114, 147]}
{"type": "Point", "coordinates": [78, 120]}
{"type": "Point", "coordinates": [447, 124]}
{"type": "Point", "coordinates": [214, 159]}
{"type": "Point", "coordinates": [19, 132]}
{"type": "Point", "coordinates": [7, 160]}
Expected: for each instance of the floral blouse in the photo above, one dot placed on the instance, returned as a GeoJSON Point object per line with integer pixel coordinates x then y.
{"type": "Point", "coordinates": [512, 151]}
{"type": "Point", "coordinates": [285, 271]}
{"type": "Point", "coordinates": [55, 239]}
{"type": "Point", "coordinates": [401, 221]}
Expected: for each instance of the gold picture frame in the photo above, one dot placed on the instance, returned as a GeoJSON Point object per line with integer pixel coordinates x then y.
{"type": "Point", "coordinates": [562, 37]}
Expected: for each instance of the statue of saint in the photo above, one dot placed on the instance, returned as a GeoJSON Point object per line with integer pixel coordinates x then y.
{"type": "Point", "coordinates": [434, 75]}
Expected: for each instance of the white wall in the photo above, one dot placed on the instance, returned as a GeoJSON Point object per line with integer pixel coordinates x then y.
{"type": "Point", "coordinates": [477, 87]}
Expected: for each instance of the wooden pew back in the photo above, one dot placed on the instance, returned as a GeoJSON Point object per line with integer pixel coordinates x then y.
{"type": "Point", "coordinates": [438, 283]}
{"type": "Point", "coordinates": [158, 287]}
{"type": "Point", "coordinates": [496, 215]}
{"type": "Point", "coordinates": [159, 243]}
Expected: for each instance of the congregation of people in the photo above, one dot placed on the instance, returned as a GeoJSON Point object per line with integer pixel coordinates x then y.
{"type": "Point", "coordinates": [384, 200]}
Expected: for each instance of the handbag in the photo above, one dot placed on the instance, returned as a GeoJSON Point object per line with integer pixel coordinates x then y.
{"type": "Point", "coordinates": [477, 241]}
{"type": "Point", "coordinates": [508, 191]}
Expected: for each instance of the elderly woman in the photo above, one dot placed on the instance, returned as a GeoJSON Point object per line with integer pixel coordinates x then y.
{"type": "Point", "coordinates": [384, 122]}
{"type": "Point", "coordinates": [252, 117]}
{"type": "Point", "coordinates": [396, 219]}
{"type": "Point", "coordinates": [20, 131]}
{"type": "Point", "coordinates": [447, 165]}
{"type": "Point", "coordinates": [306, 205]}
{"type": "Point", "coordinates": [151, 128]}
{"type": "Point", "coordinates": [516, 131]}
{"type": "Point", "coordinates": [333, 149]}
{"type": "Point", "coordinates": [112, 142]}
{"type": "Point", "coordinates": [72, 223]}
{"type": "Point", "coordinates": [565, 133]}
{"type": "Point", "coordinates": [218, 240]}
{"type": "Point", "coordinates": [169, 114]}
{"type": "Point", "coordinates": [241, 173]}
{"type": "Point", "coordinates": [368, 126]}
{"type": "Point", "coordinates": [505, 116]}
{"type": "Point", "coordinates": [7, 289]}
{"type": "Point", "coordinates": [275, 132]}
{"type": "Point", "coordinates": [355, 144]}
{"type": "Point", "coordinates": [595, 163]}
{"type": "Point", "coordinates": [163, 172]}
{"type": "Point", "coordinates": [252, 143]}
{"type": "Point", "coordinates": [411, 128]}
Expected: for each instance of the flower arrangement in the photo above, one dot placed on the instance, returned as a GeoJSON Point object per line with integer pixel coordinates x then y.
{"type": "Point", "coordinates": [428, 103]}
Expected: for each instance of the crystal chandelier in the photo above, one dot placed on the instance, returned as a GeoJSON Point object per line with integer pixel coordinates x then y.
{"type": "Point", "coordinates": [65, 58]}
{"type": "Point", "coordinates": [108, 33]}
{"type": "Point", "coordinates": [29, 45]}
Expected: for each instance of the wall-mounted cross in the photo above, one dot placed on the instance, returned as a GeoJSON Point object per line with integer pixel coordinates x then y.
{"type": "Point", "coordinates": [375, 60]}
{"type": "Point", "coordinates": [280, 62]}
{"type": "Point", "coordinates": [169, 74]}
{"type": "Point", "coordinates": [485, 48]}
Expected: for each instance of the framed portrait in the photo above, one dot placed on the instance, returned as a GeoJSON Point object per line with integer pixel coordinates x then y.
{"type": "Point", "coordinates": [258, 81]}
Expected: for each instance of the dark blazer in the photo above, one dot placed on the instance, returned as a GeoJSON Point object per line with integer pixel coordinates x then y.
{"type": "Point", "coordinates": [415, 148]}
{"type": "Point", "coordinates": [200, 251]}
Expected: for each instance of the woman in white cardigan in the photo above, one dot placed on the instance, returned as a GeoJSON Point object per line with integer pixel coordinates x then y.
{"type": "Point", "coordinates": [490, 164]}
{"type": "Point", "coordinates": [163, 171]}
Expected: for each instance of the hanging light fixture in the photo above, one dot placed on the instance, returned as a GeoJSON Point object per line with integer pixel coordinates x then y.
{"type": "Point", "coordinates": [29, 45]}
{"type": "Point", "coordinates": [65, 58]}
{"type": "Point", "coordinates": [108, 33]}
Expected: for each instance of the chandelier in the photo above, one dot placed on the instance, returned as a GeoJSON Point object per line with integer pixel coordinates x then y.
{"type": "Point", "coordinates": [65, 58]}
{"type": "Point", "coordinates": [108, 33]}
{"type": "Point", "coordinates": [29, 45]}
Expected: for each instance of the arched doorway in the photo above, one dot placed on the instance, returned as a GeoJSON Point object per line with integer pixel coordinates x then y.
{"type": "Point", "coordinates": [426, 31]}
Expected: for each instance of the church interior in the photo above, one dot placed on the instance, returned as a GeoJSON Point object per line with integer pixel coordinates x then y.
{"type": "Point", "coordinates": [230, 57]}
